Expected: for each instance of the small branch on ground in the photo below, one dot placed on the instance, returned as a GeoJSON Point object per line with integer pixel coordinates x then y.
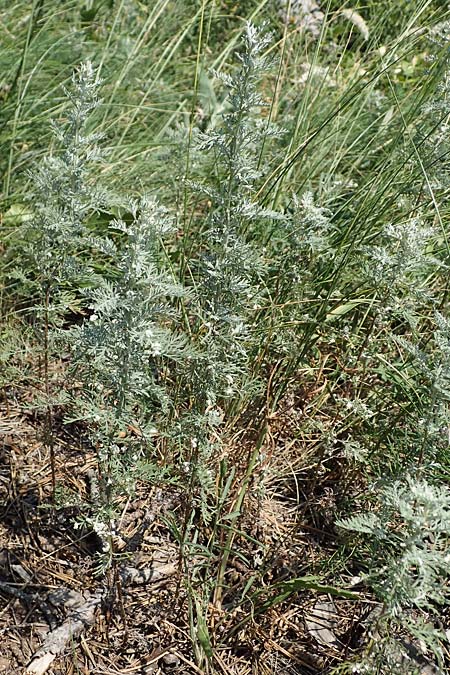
{"type": "Point", "coordinates": [80, 618]}
{"type": "Point", "coordinates": [82, 613]}
{"type": "Point", "coordinates": [134, 576]}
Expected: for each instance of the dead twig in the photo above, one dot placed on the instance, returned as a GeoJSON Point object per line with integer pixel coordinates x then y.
{"type": "Point", "coordinates": [82, 613]}
{"type": "Point", "coordinates": [55, 642]}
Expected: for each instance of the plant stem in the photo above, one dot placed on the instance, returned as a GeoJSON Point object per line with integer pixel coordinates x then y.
{"type": "Point", "coordinates": [48, 426]}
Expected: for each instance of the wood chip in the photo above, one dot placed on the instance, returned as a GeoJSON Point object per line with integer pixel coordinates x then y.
{"type": "Point", "coordinates": [320, 623]}
{"type": "Point", "coordinates": [134, 576]}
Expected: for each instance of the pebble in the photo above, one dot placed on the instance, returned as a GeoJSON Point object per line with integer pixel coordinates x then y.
{"type": "Point", "coordinates": [171, 660]}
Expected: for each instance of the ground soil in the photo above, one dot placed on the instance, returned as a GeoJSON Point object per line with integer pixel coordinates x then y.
{"type": "Point", "coordinates": [43, 552]}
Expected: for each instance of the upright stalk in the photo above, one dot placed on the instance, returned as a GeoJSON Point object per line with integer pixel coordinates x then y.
{"type": "Point", "coordinates": [48, 434]}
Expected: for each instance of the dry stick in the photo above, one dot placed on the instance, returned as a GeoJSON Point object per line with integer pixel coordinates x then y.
{"type": "Point", "coordinates": [83, 615]}
{"type": "Point", "coordinates": [55, 642]}
{"type": "Point", "coordinates": [118, 585]}
{"type": "Point", "coordinates": [136, 577]}
{"type": "Point", "coordinates": [5, 395]}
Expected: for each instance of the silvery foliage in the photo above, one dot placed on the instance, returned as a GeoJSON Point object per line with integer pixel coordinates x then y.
{"type": "Point", "coordinates": [407, 534]}
{"type": "Point", "coordinates": [431, 426]}
{"type": "Point", "coordinates": [228, 271]}
{"type": "Point", "coordinates": [391, 652]}
{"type": "Point", "coordinates": [437, 111]}
{"type": "Point", "coordinates": [119, 353]}
{"type": "Point", "coordinates": [306, 240]}
{"type": "Point", "coordinates": [64, 197]}
{"type": "Point", "coordinates": [302, 249]}
{"type": "Point", "coordinates": [397, 267]}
